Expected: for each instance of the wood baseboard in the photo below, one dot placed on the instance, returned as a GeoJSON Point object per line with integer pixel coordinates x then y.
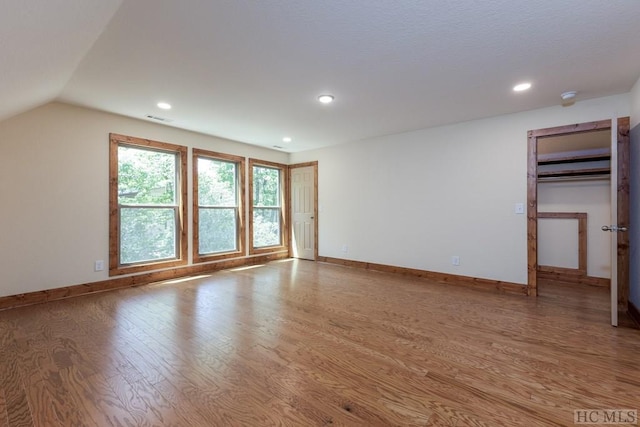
{"type": "Point", "coordinates": [37, 297]}
{"type": "Point", "coordinates": [567, 276]}
{"type": "Point", "coordinates": [634, 313]}
{"type": "Point", "coordinates": [487, 284]}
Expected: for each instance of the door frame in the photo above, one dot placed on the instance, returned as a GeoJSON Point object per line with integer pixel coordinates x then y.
{"type": "Point", "coordinates": [622, 199]}
{"type": "Point", "coordinates": [314, 164]}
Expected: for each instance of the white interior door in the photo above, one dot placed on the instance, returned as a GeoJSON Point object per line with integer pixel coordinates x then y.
{"type": "Point", "coordinates": [620, 165]}
{"type": "Point", "coordinates": [303, 212]}
{"type": "Point", "coordinates": [614, 221]}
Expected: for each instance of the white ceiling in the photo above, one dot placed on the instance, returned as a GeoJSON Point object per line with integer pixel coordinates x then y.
{"type": "Point", "coordinates": [41, 44]}
{"type": "Point", "coordinates": [251, 70]}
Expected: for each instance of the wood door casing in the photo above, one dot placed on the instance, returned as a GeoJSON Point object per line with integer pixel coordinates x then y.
{"type": "Point", "coordinates": [622, 200]}
{"type": "Point", "coordinates": [623, 212]}
{"type": "Point", "coordinates": [310, 200]}
{"type": "Point", "coordinates": [302, 213]}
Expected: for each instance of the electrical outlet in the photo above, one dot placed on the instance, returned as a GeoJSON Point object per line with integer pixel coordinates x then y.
{"type": "Point", "coordinates": [98, 265]}
{"type": "Point", "coordinates": [345, 249]}
{"type": "Point", "coordinates": [455, 260]}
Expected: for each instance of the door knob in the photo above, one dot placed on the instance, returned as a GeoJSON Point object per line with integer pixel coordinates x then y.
{"type": "Point", "coordinates": [613, 228]}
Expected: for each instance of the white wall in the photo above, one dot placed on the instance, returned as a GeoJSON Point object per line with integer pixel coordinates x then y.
{"type": "Point", "coordinates": [54, 191]}
{"type": "Point", "coordinates": [558, 243]}
{"type": "Point", "coordinates": [591, 197]}
{"type": "Point", "coordinates": [634, 194]}
{"type": "Point", "coordinates": [417, 198]}
{"type": "Point", "coordinates": [634, 96]}
{"type": "Point", "coordinates": [412, 199]}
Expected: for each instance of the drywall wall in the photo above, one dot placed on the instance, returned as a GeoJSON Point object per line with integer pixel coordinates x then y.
{"type": "Point", "coordinates": [634, 196]}
{"type": "Point", "coordinates": [590, 197]}
{"type": "Point", "coordinates": [54, 191]}
{"type": "Point", "coordinates": [558, 243]}
{"type": "Point", "coordinates": [634, 100]}
{"type": "Point", "coordinates": [418, 198]}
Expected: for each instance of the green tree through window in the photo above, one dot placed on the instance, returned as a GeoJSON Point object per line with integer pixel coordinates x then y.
{"type": "Point", "coordinates": [217, 205]}
{"type": "Point", "coordinates": [148, 208]}
{"type": "Point", "coordinates": [266, 207]}
{"type": "Point", "coordinates": [218, 183]}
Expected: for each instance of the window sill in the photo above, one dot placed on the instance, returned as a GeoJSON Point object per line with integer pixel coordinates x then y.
{"type": "Point", "coordinates": [137, 268]}
{"type": "Point", "coordinates": [268, 250]}
{"type": "Point", "coordinates": [197, 259]}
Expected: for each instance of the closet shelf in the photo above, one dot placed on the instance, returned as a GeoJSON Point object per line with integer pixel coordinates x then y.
{"type": "Point", "coordinates": [590, 155]}
{"type": "Point", "coordinates": [574, 173]}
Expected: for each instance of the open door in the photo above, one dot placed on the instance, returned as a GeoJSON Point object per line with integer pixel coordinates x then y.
{"type": "Point", "coordinates": [304, 210]}
{"type": "Point", "coordinates": [619, 206]}
{"type": "Point", "coordinates": [619, 215]}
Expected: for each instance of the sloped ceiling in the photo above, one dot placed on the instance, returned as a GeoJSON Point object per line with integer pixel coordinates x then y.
{"type": "Point", "coordinates": [251, 70]}
{"type": "Point", "coordinates": [41, 44]}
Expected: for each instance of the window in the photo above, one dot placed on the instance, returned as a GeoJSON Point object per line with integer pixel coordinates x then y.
{"type": "Point", "coordinates": [267, 228]}
{"type": "Point", "coordinates": [147, 193]}
{"type": "Point", "coordinates": [218, 188]}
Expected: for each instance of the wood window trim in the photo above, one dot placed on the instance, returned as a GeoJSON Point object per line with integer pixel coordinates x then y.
{"type": "Point", "coordinates": [284, 204]}
{"type": "Point", "coordinates": [582, 242]}
{"type": "Point", "coordinates": [115, 269]}
{"type": "Point", "coordinates": [240, 231]}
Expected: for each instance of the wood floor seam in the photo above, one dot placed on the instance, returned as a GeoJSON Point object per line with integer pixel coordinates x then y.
{"type": "Point", "coordinates": [315, 344]}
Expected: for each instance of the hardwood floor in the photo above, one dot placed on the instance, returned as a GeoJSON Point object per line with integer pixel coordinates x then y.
{"type": "Point", "coordinates": [303, 343]}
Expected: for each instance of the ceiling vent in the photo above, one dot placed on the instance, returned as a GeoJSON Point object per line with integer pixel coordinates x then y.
{"type": "Point", "coordinates": [160, 119]}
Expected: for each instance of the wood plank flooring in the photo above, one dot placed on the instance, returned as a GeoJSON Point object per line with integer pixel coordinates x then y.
{"type": "Point", "coordinates": [301, 343]}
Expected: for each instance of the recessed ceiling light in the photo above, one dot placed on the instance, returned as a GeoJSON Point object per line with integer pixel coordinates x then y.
{"type": "Point", "coordinates": [287, 139]}
{"type": "Point", "coordinates": [522, 86]}
{"type": "Point", "coordinates": [164, 105]}
{"type": "Point", "coordinates": [325, 99]}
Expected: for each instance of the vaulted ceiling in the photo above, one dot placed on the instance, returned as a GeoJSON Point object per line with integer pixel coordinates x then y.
{"type": "Point", "coordinates": [251, 70]}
